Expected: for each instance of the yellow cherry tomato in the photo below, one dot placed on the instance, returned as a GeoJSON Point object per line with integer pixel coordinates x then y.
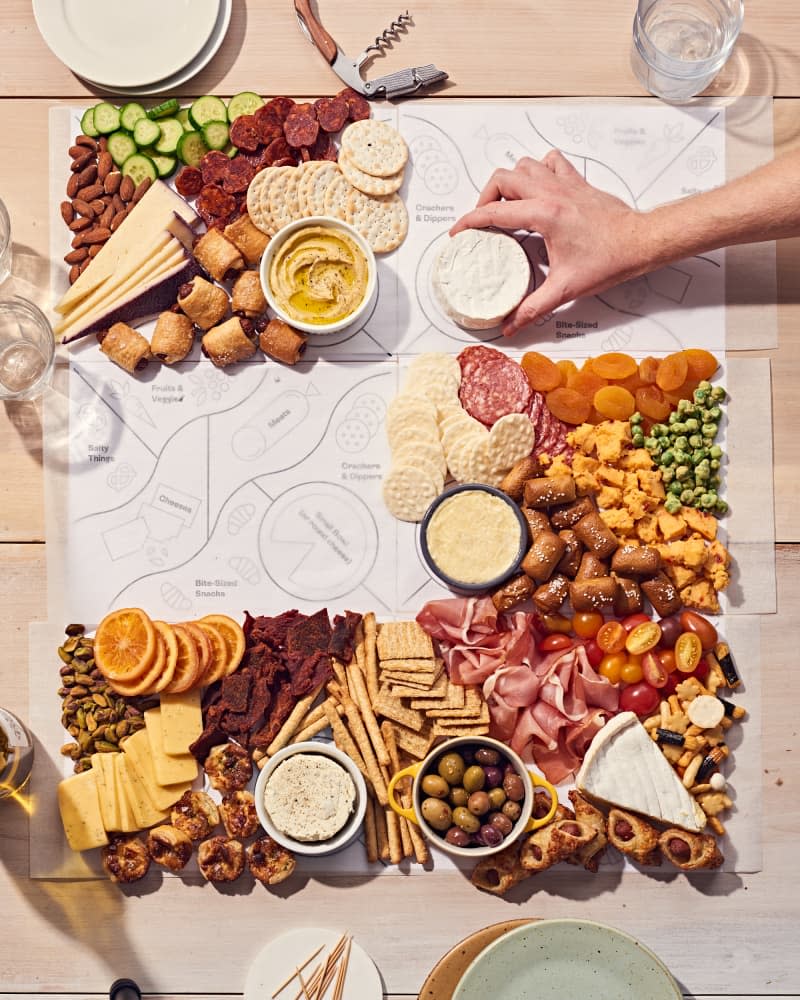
{"type": "Point", "coordinates": [631, 671]}
{"type": "Point", "coordinates": [587, 624]}
{"type": "Point", "coordinates": [643, 637]}
{"type": "Point", "coordinates": [688, 650]}
{"type": "Point", "coordinates": [611, 666]}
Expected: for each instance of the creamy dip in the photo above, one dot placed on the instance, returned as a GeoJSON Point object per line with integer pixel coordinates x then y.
{"type": "Point", "coordinates": [473, 537]}
{"type": "Point", "coordinates": [309, 797]}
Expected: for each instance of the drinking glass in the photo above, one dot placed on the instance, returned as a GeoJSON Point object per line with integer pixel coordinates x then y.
{"type": "Point", "coordinates": [5, 243]}
{"type": "Point", "coordinates": [679, 46]}
{"type": "Point", "coordinates": [27, 349]}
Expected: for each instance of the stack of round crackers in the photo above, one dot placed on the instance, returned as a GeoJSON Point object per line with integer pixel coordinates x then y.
{"type": "Point", "coordinates": [361, 189]}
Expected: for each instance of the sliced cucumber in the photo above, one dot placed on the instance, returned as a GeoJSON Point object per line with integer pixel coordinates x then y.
{"type": "Point", "coordinates": [130, 114]}
{"type": "Point", "coordinates": [230, 150]}
{"type": "Point", "coordinates": [171, 131]}
{"type": "Point", "coordinates": [106, 118]}
{"type": "Point", "coordinates": [208, 109]}
{"type": "Point", "coordinates": [183, 118]}
{"type": "Point", "coordinates": [166, 109]}
{"type": "Point", "coordinates": [165, 165]}
{"type": "Point", "coordinates": [87, 123]}
{"type": "Point", "coordinates": [138, 167]}
{"type": "Point", "coordinates": [146, 132]}
{"type": "Point", "coordinates": [216, 134]}
{"type": "Point", "coordinates": [121, 146]}
{"type": "Point", "coordinates": [191, 148]}
{"type": "Point", "coordinates": [244, 104]}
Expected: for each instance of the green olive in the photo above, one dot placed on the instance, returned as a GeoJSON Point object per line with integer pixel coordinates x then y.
{"type": "Point", "coordinates": [433, 784]}
{"type": "Point", "coordinates": [451, 768]}
{"type": "Point", "coordinates": [437, 814]}
{"type": "Point", "coordinates": [464, 819]}
{"type": "Point", "coordinates": [512, 809]}
{"type": "Point", "coordinates": [497, 797]}
{"type": "Point", "coordinates": [479, 803]}
{"type": "Point", "coordinates": [458, 796]}
{"type": "Point", "coordinates": [474, 779]}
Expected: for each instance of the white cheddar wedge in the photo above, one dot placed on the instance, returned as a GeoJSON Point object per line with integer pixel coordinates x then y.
{"type": "Point", "coordinates": [137, 749]}
{"type": "Point", "coordinates": [181, 721]}
{"type": "Point", "coordinates": [79, 805]}
{"type": "Point", "coordinates": [127, 819]}
{"type": "Point", "coordinates": [145, 813]}
{"type": "Point", "coordinates": [152, 215]}
{"type": "Point", "coordinates": [103, 767]}
{"type": "Point", "coordinates": [623, 767]}
{"type": "Point", "coordinates": [169, 768]}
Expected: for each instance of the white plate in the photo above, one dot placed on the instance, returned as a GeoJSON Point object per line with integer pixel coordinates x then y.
{"type": "Point", "coordinates": [118, 44]}
{"type": "Point", "coordinates": [202, 59]}
{"type": "Point", "coordinates": [553, 959]}
{"type": "Point", "coordinates": [279, 959]}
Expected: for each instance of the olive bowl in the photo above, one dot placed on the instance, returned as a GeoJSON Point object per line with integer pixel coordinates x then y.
{"type": "Point", "coordinates": [523, 824]}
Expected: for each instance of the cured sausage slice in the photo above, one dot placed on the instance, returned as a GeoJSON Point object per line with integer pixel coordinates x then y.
{"type": "Point", "coordinates": [188, 182]}
{"type": "Point", "coordinates": [323, 148]}
{"type": "Point", "coordinates": [357, 104]}
{"type": "Point", "coordinates": [240, 173]}
{"type": "Point", "coordinates": [282, 106]}
{"type": "Point", "coordinates": [301, 127]}
{"type": "Point", "coordinates": [214, 206]}
{"type": "Point", "coordinates": [279, 149]}
{"type": "Point", "coordinates": [245, 134]}
{"type": "Point", "coordinates": [492, 386]}
{"type": "Point", "coordinates": [268, 122]}
{"type": "Point", "coordinates": [332, 113]}
{"type": "Point", "coordinates": [214, 167]}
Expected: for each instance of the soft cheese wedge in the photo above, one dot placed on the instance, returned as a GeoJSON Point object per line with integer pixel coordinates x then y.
{"type": "Point", "coordinates": [623, 767]}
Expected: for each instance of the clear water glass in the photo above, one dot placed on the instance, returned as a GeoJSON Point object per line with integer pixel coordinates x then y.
{"type": "Point", "coordinates": [27, 349]}
{"type": "Point", "coordinates": [679, 46]}
{"type": "Point", "coordinates": [5, 243]}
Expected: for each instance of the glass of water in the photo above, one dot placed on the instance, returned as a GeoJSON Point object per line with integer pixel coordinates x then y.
{"type": "Point", "coordinates": [27, 349]}
{"type": "Point", "coordinates": [5, 243]}
{"type": "Point", "coordinates": [679, 46]}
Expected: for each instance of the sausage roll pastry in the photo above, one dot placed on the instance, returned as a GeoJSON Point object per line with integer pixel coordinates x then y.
{"type": "Point", "coordinates": [125, 346]}
{"type": "Point", "coordinates": [205, 304]}
{"type": "Point", "coordinates": [589, 855]}
{"type": "Point", "coordinates": [226, 344]}
{"type": "Point", "coordinates": [282, 342]}
{"type": "Point", "coordinates": [247, 296]}
{"type": "Point", "coordinates": [217, 255]}
{"type": "Point", "coordinates": [553, 843]}
{"type": "Point", "coordinates": [634, 836]}
{"type": "Point", "coordinates": [500, 872]}
{"type": "Point", "coordinates": [173, 337]}
{"type": "Point", "coordinates": [690, 851]}
{"type": "Point", "coordinates": [247, 238]}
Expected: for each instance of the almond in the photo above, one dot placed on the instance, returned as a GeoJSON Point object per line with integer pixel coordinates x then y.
{"type": "Point", "coordinates": [90, 192]}
{"type": "Point", "coordinates": [97, 234]}
{"type": "Point", "coordinates": [141, 190]}
{"type": "Point", "coordinates": [117, 221]}
{"type": "Point", "coordinates": [83, 208]}
{"type": "Point", "coordinates": [111, 182]}
{"type": "Point", "coordinates": [74, 271]}
{"type": "Point", "coordinates": [104, 166]}
{"type": "Point", "coordinates": [76, 256]}
{"type": "Point", "coordinates": [106, 216]}
{"type": "Point", "coordinates": [73, 185]}
{"type": "Point", "coordinates": [79, 223]}
{"type": "Point", "coordinates": [126, 189]}
{"type": "Point", "coordinates": [95, 249]}
{"type": "Point", "coordinates": [98, 206]}
{"type": "Point", "coordinates": [67, 211]}
{"type": "Point", "coordinates": [86, 140]}
{"type": "Point", "coordinates": [80, 161]}
{"type": "Point", "coordinates": [87, 176]}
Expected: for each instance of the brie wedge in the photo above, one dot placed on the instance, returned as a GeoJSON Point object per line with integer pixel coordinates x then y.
{"type": "Point", "coordinates": [480, 276]}
{"type": "Point", "coordinates": [623, 767]}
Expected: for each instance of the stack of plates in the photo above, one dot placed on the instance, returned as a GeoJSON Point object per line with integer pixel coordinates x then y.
{"type": "Point", "coordinates": [149, 47]}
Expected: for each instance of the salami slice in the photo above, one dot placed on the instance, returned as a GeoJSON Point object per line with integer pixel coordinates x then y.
{"type": "Point", "coordinates": [239, 175]}
{"type": "Point", "coordinates": [494, 388]}
{"type": "Point", "coordinates": [282, 106]}
{"type": "Point", "coordinates": [471, 358]}
{"type": "Point", "coordinates": [285, 161]}
{"type": "Point", "coordinates": [357, 105]}
{"type": "Point", "coordinates": [214, 166]}
{"type": "Point", "coordinates": [323, 148]}
{"type": "Point", "coordinates": [332, 113]}
{"type": "Point", "coordinates": [188, 182]}
{"type": "Point", "coordinates": [279, 149]}
{"type": "Point", "coordinates": [214, 205]}
{"type": "Point", "coordinates": [301, 127]}
{"type": "Point", "coordinates": [244, 133]}
{"type": "Point", "coordinates": [268, 121]}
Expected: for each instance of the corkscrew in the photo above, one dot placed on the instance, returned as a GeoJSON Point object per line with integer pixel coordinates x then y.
{"type": "Point", "coordinates": [399, 84]}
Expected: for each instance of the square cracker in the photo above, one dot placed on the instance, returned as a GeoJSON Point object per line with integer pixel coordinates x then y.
{"type": "Point", "coordinates": [392, 708]}
{"type": "Point", "coordinates": [460, 715]}
{"type": "Point", "coordinates": [454, 697]}
{"type": "Point", "coordinates": [403, 640]}
{"type": "Point", "coordinates": [463, 730]}
{"type": "Point", "coordinates": [417, 744]}
{"type": "Point", "coordinates": [438, 689]}
{"type": "Point", "coordinates": [421, 681]}
{"type": "Point", "coordinates": [410, 666]}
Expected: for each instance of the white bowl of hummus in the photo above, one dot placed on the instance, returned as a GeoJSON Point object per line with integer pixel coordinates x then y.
{"type": "Point", "coordinates": [311, 798]}
{"type": "Point", "coordinates": [319, 275]}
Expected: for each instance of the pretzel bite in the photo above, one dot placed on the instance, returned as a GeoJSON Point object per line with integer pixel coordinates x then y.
{"type": "Point", "coordinates": [662, 594]}
{"type": "Point", "coordinates": [195, 814]}
{"type": "Point", "coordinates": [537, 521]}
{"type": "Point", "coordinates": [636, 560]}
{"type": "Point", "coordinates": [592, 595]}
{"type": "Point", "coordinates": [228, 767]}
{"type": "Point", "coordinates": [634, 837]}
{"type": "Point", "coordinates": [514, 480]}
{"type": "Point", "coordinates": [125, 858]}
{"type": "Point", "coordinates": [690, 851]}
{"type": "Point", "coordinates": [595, 534]}
{"type": "Point", "coordinates": [543, 556]}
{"type": "Point", "coordinates": [569, 515]}
{"type": "Point", "coordinates": [551, 595]}
{"type": "Point", "coordinates": [628, 599]}
{"type": "Point", "coordinates": [549, 492]}
{"type": "Point", "coordinates": [571, 560]}
{"type": "Point", "coordinates": [553, 843]}
{"type": "Point", "coordinates": [169, 847]}
{"type": "Point", "coordinates": [220, 859]}
{"type": "Point", "coordinates": [514, 592]}
{"type": "Point", "coordinates": [500, 872]}
{"type": "Point", "coordinates": [239, 817]}
{"type": "Point", "coordinates": [269, 862]}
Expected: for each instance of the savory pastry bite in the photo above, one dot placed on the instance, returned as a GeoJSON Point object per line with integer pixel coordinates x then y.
{"type": "Point", "coordinates": [125, 346]}
{"type": "Point", "coordinates": [195, 814]}
{"type": "Point", "coordinates": [269, 862]}
{"type": "Point", "coordinates": [220, 859]}
{"type": "Point", "coordinates": [173, 337]}
{"type": "Point", "coordinates": [500, 872]}
{"type": "Point", "coordinates": [125, 858]}
{"type": "Point", "coordinates": [228, 767]}
{"type": "Point", "coordinates": [203, 302]}
{"type": "Point", "coordinates": [169, 847]}
{"type": "Point", "coordinates": [662, 593]}
{"type": "Point", "coordinates": [553, 843]}
{"type": "Point", "coordinates": [633, 836]}
{"type": "Point", "coordinates": [589, 855]}
{"type": "Point", "coordinates": [543, 556]}
{"type": "Point", "coordinates": [230, 342]}
{"type": "Point", "coordinates": [247, 295]}
{"type": "Point", "coordinates": [217, 255]}
{"type": "Point", "coordinates": [247, 238]}
{"type": "Point", "coordinates": [690, 851]}
{"type": "Point", "coordinates": [238, 812]}
{"type": "Point", "coordinates": [281, 341]}
{"type": "Point", "coordinates": [595, 594]}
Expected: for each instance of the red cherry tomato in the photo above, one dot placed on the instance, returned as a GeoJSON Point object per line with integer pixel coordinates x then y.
{"type": "Point", "coordinates": [594, 653]}
{"type": "Point", "coordinates": [587, 624]}
{"type": "Point", "coordinates": [611, 666]}
{"type": "Point", "coordinates": [666, 658]}
{"type": "Point", "coordinates": [633, 620]}
{"type": "Point", "coordinates": [653, 670]}
{"type": "Point", "coordinates": [673, 680]}
{"type": "Point", "coordinates": [611, 637]}
{"type": "Point", "coordinates": [555, 641]}
{"type": "Point", "coordinates": [640, 698]}
{"type": "Point", "coordinates": [670, 630]}
{"type": "Point", "coordinates": [701, 670]}
{"type": "Point", "coordinates": [702, 628]}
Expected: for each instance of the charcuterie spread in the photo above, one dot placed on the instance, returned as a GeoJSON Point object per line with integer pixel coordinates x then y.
{"type": "Point", "coordinates": [571, 506]}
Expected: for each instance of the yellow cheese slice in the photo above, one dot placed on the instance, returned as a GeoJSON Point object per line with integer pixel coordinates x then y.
{"type": "Point", "coordinates": [79, 805]}
{"type": "Point", "coordinates": [127, 819]}
{"type": "Point", "coordinates": [145, 814]}
{"type": "Point", "coordinates": [152, 215]}
{"type": "Point", "coordinates": [137, 749]}
{"type": "Point", "coordinates": [103, 767]}
{"type": "Point", "coordinates": [181, 721]}
{"type": "Point", "coordinates": [169, 768]}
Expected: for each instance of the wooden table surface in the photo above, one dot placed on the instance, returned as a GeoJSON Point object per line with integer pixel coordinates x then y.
{"type": "Point", "coordinates": [721, 934]}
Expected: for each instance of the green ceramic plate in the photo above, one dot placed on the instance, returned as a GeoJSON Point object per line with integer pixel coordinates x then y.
{"type": "Point", "coordinates": [553, 959]}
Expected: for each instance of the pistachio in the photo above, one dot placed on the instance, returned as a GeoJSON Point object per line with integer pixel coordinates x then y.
{"type": "Point", "coordinates": [67, 748]}
{"type": "Point", "coordinates": [101, 700]}
{"type": "Point", "coordinates": [83, 652]}
{"type": "Point", "coordinates": [103, 746]}
{"type": "Point", "coordinates": [91, 722]}
{"type": "Point", "coordinates": [84, 739]}
{"type": "Point", "coordinates": [63, 691]}
{"type": "Point", "coordinates": [122, 728]}
{"type": "Point", "coordinates": [65, 656]}
{"type": "Point", "coordinates": [84, 764]}
{"type": "Point", "coordinates": [73, 730]}
{"type": "Point", "coordinates": [79, 689]}
{"type": "Point", "coordinates": [74, 630]}
{"type": "Point", "coordinates": [66, 671]}
{"type": "Point", "coordinates": [84, 680]}
{"type": "Point", "coordinates": [71, 644]}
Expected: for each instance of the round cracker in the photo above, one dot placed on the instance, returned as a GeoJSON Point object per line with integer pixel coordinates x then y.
{"type": "Point", "coordinates": [366, 182]}
{"type": "Point", "coordinates": [440, 388]}
{"type": "Point", "coordinates": [375, 147]}
{"type": "Point", "coordinates": [304, 185]}
{"type": "Point", "coordinates": [317, 185]}
{"type": "Point", "coordinates": [511, 438]}
{"type": "Point", "coordinates": [410, 449]}
{"type": "Point", "coordinates": [264, 198]}
{"type": "Point", "coordinates": [403, 403]}
{"type": "Point", "coordinates": [408, 491]}
{"type": "Point", "coordinates": [261, 217]}
{"type": "Point", "coordinates": [422, 427]}
{"type": "Point", "coordinates": [382, 221]}
{"type": "Point", "coordinates": [283, 204]}
{"type": "Point", "coordinates": [438, 361]}
{"type": "Point", "coordinates": [337, 193]}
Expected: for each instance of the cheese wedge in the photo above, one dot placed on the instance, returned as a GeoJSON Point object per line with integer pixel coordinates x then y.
{"type": "Point", "coordinates": [623, 767]}
{"type": "Point", "coordinates": [181, 721]}
{"type": "Point", "coordinates": [103, 767]}
{"type": "Point", "coordinates": [79, 805]}
{"type": "Point", "coordinates": [137, 750]}
{"type": "Point", "coordinates": [127, 820]}
{"type": "Point", "coordinates": [169, 769]}
{"type": "Point", "coordinates": [144, 813]}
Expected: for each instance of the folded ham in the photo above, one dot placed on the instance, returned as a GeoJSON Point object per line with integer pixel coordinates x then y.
{"type": "Point", "coordinates": [546, 707]}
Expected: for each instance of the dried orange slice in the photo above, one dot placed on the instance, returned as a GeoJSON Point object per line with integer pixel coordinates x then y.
{"type": "Point", "coordinates": [187, 667]}
{"type": "Point", "coordinates": [146, 684]}
{"type": "Point", "coordinates": [219, 653]}
{"type": "Point", "coordinates": [204, 650]}
{"type": "Point", "coordinates": [233, 635]}
{"type": "Point", "coordinates": [171, 645]}
{"type": "Point", "coordinates": [125, 645]}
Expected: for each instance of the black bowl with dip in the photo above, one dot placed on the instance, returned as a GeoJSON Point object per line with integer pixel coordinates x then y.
{"type": "Point", "coordinates": [473, 538]}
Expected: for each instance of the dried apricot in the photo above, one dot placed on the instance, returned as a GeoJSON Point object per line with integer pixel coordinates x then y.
{"type": "Point", "coordinates": [651, 402]}
{"type": "Point", "coordinates": [567, 369]}
{"type": "Point", "coordinates": [569, 405]}
{"type": "Point", "coordinates": [614, 402]}
{"type": "Point", "coordinates": [614, 365]}
{"type": "Point", "coordinates": [543, 374]}
{"type": "Point", "coordinates": [586, 382]}
{"type": "Point", "coordinates": [648, 369]}
{"type": "Point", "coordinates": [702, 364]}
{"type": "Point", "coordinates": [672, 372]}
{"type": "Point", "coordinates": [632, 382]}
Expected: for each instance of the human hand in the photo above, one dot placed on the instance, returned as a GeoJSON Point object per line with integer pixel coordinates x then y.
{"type": "Point", "coordinates": [593, 240]}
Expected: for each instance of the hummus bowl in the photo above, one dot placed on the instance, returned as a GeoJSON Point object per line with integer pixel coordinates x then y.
{"type": "Point", "coordinates": [319, 275]}
{"type": "Point", "coordinates": [311, 798]}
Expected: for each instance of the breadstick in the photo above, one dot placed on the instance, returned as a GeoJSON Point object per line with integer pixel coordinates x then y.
{"type": "Point", "coordinates": [371, 654]}
{"type": "Point", "coordinates": [335, 689]}
{"type": "Point", "coordinates": [370, 833]}
{"type": "Point", "coordinates": [405, 837]}
{"type": "Point", "coordinates": [344, 741]}
{"type": "Point", "coordinates": [420, 847]}
{"type": "Point", "coordinates": [393, 830]}
{"type": "Point", "coordinates": [341, 676]}
{"type": "Point", "coordinates": [289, 728]}
{"type": "Point", "coordinates": [362, 740]}
{"type": "Point", "coordinates": [383, 833]}
{"type": "Point", "coordinates": [387, 732]}
{"type": "Point", "coordinates": [358, 648]}
{"type": "Point", "coordinates": [309, 732]}
{"type": "Point", "coordinates": [358, 688]}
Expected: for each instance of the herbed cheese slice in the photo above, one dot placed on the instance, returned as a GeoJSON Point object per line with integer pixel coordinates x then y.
{"type": "Point", "coordinates": [127, 819]}
{"type": "Point", "coordinates": [169, 768]}
{"type": "Point", "coordinates": [137, 749]}
{"type": "Point", "coordinates": [623, 767]}
{"type": "Point", "coordinates": [79, 805]}
{"type": "Point", "coordinates": [103, 767]}
{"type": "Point", "coordinates": [181, 721]}
{"type": "Point", "coordinates": [145, 813]}
{"type": "Point", "coordinates": [480, 277]}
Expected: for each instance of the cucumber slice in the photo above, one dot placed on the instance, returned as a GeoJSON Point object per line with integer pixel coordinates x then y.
{"type": "Point", "coordinates": [130, 114]}
{"type": "Point", "coordinates": [230, 151]}
{"type": "Point", "coordinates": [216, 134]}
{"type": "Point", "coordinates": [146, 132]}
{"type": "Point", "coordinates": [207, 109]}
{"type": "Point", "coordinates": [244, 104]}
{"type": "Point", "coordinates": [191, 148]}
{"type": "Point", "coordinates": [87, 123]}
{"type": "Point", "coordinates": [121, 146]}
{"type": "Point", "coordinates": [183, 118]}
{"type": "Point", "coordinates": [138, 167]}
{"type": "Point", "coordinates": [165, 165]}
{"type": "Point", "coordinates": [166, 109]}
{"type": "Point", "coordinates": [171, 131]}
{"type": "Point", "coordinates": [106, 118]}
